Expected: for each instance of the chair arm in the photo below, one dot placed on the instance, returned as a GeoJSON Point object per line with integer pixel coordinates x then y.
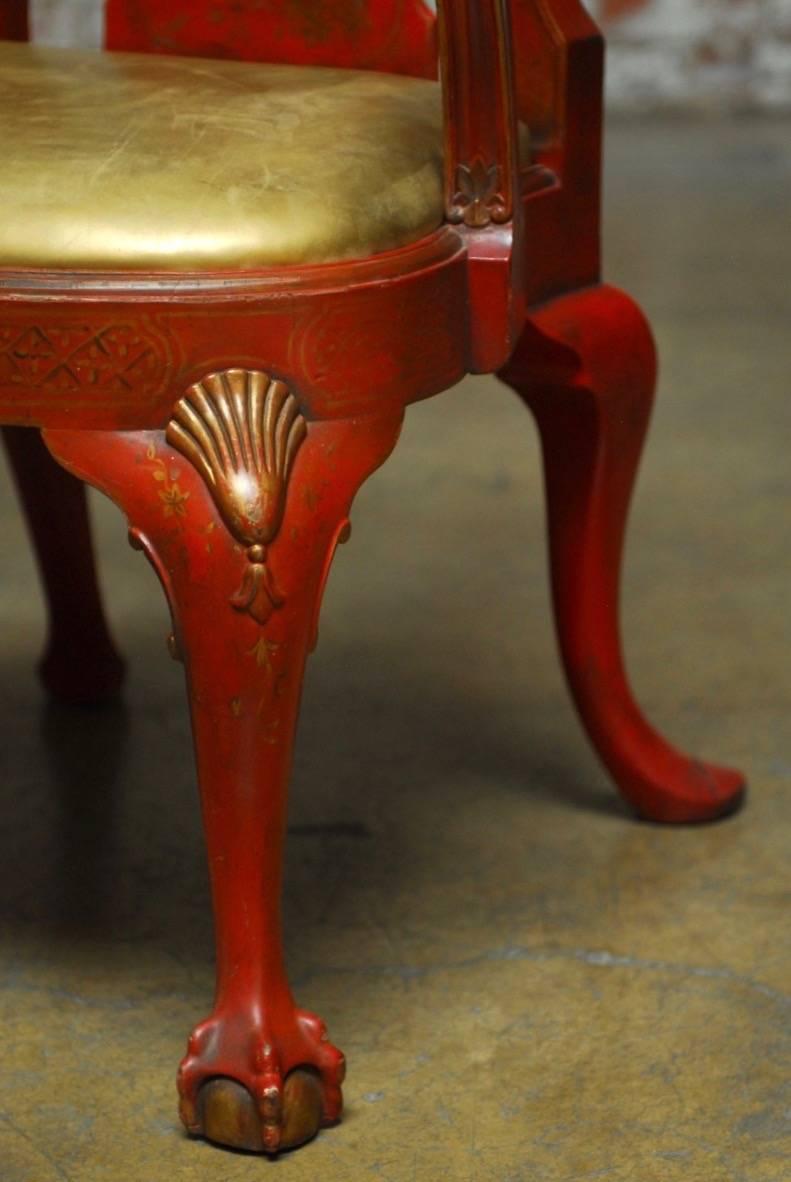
{"type": "Point", "coordinates": [476, 68]}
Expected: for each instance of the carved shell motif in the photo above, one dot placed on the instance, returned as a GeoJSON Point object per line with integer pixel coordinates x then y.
{"type": "Point", "coordinates": [241, 430]}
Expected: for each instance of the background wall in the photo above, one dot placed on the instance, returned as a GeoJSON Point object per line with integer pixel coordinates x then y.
{"type": "Point", "coordinates": [67, 22]}
{"type": "Point", "coordinates": [720, 54]}
{"type": "Point", "coordinates": [726, 55]}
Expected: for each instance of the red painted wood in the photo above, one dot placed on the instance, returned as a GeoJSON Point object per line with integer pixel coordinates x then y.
{"type": "Point", "coordinates": [80, 663]}
{"type": "Point", "coordinates": [397, 36]}
{"type": "Point", "coordinates": [402, 315]}
{"type": "Point", "coordinates": [355, 343]}
{"type": "Point", "coordinates": [586, 368]}
{"type": "Point", "coordinates": [560, 63]}
{"type": "Point", "coordinates": [481, 164]}
{"type": "Point", "coordinates": [245, 684]}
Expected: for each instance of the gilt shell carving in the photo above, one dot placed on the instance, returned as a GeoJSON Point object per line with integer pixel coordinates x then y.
{"type": "Point", "coordinates": [242, 429]}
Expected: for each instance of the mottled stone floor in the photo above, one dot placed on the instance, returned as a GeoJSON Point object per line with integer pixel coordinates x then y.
{"type": "Point", "coordinates": [529, 985]}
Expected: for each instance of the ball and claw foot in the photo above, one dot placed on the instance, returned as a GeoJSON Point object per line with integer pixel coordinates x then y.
{"type": "Point", "coordinates": [247, 1101]}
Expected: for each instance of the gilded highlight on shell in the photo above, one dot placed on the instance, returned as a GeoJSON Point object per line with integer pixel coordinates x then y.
{"type": "Point", "coordinates": [242, 430]}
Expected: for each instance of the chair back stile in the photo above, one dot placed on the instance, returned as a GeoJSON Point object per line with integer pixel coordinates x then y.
{"type": "Point", "coordinates": [482, 169]}
{"type": "Point", "coordinates": [481, 164]}
{"type": "Point", "coordinates": [559, 82]}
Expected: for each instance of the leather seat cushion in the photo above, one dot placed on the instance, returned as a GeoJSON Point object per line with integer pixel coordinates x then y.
{"type": "Point", "coordinates": [139, 161]}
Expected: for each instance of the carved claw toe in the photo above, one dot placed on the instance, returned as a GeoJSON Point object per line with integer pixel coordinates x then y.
{"type": "Point", "coordinates": [258, 1087]}
{"type": "Point", "coordinates": [284, 1118]}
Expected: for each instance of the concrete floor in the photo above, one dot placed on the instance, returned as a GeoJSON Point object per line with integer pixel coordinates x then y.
{"type": "Point", "coordinates": [529, 985]}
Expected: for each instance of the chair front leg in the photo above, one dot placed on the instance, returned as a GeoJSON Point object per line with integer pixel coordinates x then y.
{"type": "Point", "coordinates": [239, 506]}
{"type": "Point", "coordinates": [80, 664]}
{"type": "Point", "coordinates": [586, 368]}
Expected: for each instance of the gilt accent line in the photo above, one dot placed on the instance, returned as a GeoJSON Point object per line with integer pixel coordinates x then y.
{"type": "Point", "coordinates": [241, 430]}
{"type": "Point", "coordinates": [67, 357]}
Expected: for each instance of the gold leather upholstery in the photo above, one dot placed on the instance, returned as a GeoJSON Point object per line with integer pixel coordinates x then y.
{"type": "Point", "coordinates": [162, 163]}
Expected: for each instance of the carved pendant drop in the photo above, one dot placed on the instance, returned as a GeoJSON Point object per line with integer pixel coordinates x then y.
{"type": "Point", "coordinates": [241, 430]}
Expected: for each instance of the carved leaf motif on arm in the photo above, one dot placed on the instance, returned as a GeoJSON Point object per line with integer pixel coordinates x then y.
{"type": "Point", "coordinates": [241, 430]}
{"type": "Point", "coordinates": [478, 199]}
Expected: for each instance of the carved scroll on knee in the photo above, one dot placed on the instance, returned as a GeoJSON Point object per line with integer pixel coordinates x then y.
{"type": "Point", "coordinates": [242, 429]}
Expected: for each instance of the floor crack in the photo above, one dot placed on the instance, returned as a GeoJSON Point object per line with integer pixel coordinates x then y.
{"type": "Point", "coordinates": [597, 957]}
{"type": "Point", "coordinates": [8, 1122]}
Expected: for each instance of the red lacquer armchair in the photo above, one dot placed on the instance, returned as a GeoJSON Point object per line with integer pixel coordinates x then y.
{"type": "Point", "coordinates": [221, 283]}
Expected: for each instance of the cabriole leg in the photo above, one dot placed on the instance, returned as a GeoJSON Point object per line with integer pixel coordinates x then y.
{"type": "Point", "coordinates": [586, 368]}
{"type": "Point", "coordinates": [80, 663]}
{"type": "Point", "coordinates": [239, 506]}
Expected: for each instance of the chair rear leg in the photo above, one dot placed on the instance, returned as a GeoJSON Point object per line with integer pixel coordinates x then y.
{"type": "Point", "coordinates": [586, 368]}
{"type": "Point", "coordinates": [80, 662]}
